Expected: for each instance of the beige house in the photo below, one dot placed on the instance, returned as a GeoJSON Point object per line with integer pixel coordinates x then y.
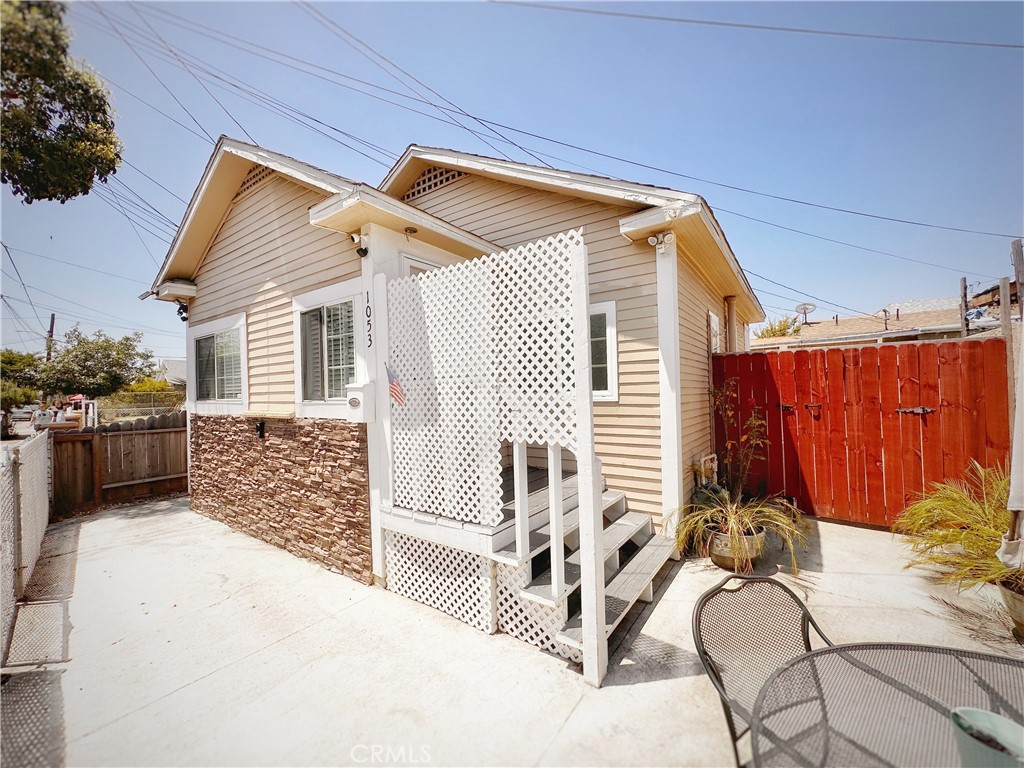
{"type": "Point", "coordinates": [302, 395]}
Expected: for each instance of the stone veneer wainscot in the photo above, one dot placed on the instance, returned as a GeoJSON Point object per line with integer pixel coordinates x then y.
{"type": "Point", "coordinates": [303, 487]}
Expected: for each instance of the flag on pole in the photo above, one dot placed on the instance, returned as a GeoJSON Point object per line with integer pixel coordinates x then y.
{"type": "Point", "coordinates": [395, 387]}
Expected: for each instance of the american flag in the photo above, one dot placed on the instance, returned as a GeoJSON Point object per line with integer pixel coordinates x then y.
{"type": "Point", "coordinates": [395, 387]}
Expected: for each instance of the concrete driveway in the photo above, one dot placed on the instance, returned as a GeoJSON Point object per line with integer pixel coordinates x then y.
{"type": "Point", "coordinates": [155, 636]}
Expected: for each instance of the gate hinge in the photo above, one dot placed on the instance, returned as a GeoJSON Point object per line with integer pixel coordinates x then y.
{"type": "Point", "coordinates": [918, 411]}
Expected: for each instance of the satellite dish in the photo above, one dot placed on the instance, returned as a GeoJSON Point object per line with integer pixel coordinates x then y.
{"type": "Point", "coordinates": [805, 310]}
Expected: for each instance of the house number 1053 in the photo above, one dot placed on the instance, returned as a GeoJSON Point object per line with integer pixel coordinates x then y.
{"type": "Point", "coordinates": [369, 322]}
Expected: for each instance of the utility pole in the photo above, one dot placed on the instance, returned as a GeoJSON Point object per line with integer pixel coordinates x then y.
{"type": "Point", "coordinates": [963, 306]}
{"type": "Point", "coordinates": [49, 337]}
{"type": "Point", "coordinates": [1017, 257]}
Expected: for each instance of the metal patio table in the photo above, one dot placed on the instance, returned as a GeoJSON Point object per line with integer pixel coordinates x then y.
{"type": "Point", "coordinates": [878, 704]}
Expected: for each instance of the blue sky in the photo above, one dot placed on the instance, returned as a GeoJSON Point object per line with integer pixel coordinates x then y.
{"type": "Point", "coordinates": [925, 132]}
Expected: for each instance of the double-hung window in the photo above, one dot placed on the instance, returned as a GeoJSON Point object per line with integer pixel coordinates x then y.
{"type": "Point", "coordinates": [604, 365]}
{"type": "Point", "coordinates": [333, 330]}
{"type": "Point", "coordinates": [217, 380]}
{"type": "Point", "coordinates": [219, 366]}
{"type": "Point", "coordinates": [328, 350]}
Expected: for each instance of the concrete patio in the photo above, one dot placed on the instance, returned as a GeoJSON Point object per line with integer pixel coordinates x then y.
{"type": "Point", "coordinates": [155, 636]}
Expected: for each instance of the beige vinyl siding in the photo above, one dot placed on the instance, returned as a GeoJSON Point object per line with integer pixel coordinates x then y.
{"type": "Point", "coordinates": [627, 432]}
{"type": "Point", "coordinates": [696, 297]}
{"type": "Point", "coordinates": [265, 252]}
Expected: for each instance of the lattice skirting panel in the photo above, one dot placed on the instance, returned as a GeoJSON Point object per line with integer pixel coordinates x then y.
{"type": "Point", "coordinates": [526, 620]}
{"type": "Point", "coordinates": [455, 582]}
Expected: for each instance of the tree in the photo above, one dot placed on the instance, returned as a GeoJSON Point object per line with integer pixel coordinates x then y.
{"type": "Point", "coordinates": [12, 396]}
{"type": "Point", "coordinates": [96, 365]}
{"type": "Point", "coordinates": [784, 326]}
{"type": "Point", "coordinates": [57, 130]}
{"type": "Point", "coordinates": [19, 368]}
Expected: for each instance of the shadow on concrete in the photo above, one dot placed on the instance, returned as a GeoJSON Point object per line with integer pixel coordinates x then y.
{"type": "Point", "coordinates": [639, 658]}
{"type": "Point", "coordinates": [32, 720]}
{"type": "Point", "coordinates": [42, 625]}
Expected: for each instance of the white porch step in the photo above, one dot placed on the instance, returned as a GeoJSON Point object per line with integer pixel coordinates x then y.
{"type": "Point", "coordinates": [624, 590]}
{"type": "Point", "coordinates": [614, 536]}
{"type": "Point", "coordinates": [613, 503]}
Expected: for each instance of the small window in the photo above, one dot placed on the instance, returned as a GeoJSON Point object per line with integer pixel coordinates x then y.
{"type": "Point", "coordinates": [714, 333]}
{"type": "Point", "coordinates": [328, 351]}
{"type": "Point", "coordinates": [604, 352]}
{"type": "Point", "coordinates": [219, 366]}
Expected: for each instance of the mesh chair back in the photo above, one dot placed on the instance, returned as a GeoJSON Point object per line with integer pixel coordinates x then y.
{"type": "Point", "coordinates": [745, 629]}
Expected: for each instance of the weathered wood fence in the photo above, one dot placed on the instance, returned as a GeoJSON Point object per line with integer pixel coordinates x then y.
{"type": "Point", "coordinates": [856, 433]}
{"type": "Point", "coordinates": [119, 462]}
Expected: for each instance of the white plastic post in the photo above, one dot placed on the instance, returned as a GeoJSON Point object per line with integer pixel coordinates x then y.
{"type": "Point", "coordinates": [595, 635]}
{"type": "Point", "coordinates": [555, 512]}
{"type": "Point", "coordinates": [378, 432]}
{"type": "Point", "coordinates": [521, 488]}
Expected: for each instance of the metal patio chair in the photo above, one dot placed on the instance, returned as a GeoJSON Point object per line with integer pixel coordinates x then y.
{"type": "Point", "coordinates": [745, 628]}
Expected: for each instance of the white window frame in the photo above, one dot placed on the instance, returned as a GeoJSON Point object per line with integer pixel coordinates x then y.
{"type": "Point", "coordinates": [610, 395]}
{"type": "Point", "coordinates": [349, 290]}
{"type": "Point", "coordinates": [422, 262]}
{"type": "Point", "coordinates": [715, 340]}
{"type": "Point", "coordinates": [232, 407]}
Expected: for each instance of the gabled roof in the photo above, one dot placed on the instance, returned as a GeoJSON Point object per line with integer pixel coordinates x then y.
{"type": "Point", "coordinates": [417, 159]}
{"type": "Point", "coordinates": [225, 171]}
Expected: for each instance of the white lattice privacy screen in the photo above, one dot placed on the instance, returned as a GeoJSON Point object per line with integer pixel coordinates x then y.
{"type": "Point", "coordinates": [484, 352]}
{"type": "Point", "coordinates": [455, 582]}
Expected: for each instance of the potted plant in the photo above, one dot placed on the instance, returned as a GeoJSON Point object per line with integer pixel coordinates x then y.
{"type": "Point", "coordinates": [722, 522]}
{"type": "Point", "coordinates": [957, 527]}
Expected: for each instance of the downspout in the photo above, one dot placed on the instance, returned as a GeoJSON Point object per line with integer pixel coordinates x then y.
{"type": "Point", "coordinates": [669, 381]}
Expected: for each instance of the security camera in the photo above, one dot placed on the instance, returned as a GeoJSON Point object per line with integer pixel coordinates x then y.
{"type": "Point", "coordinates": [356, 237]}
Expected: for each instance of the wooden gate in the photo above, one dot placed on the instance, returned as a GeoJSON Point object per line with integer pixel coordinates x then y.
{"type": "Point", "coordinates": [856, 433]}
{"type": "Point", "coordinates": [94, 468]}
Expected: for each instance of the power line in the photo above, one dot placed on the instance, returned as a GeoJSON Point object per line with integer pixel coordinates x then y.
{"type": "Point", "coordinates": [762, 27]}
{"type": "Point", "coordinates": [268, 102]}
{"type": "Point", "coordinates": [146, 175]}
{"type": "Point", "coordinates": [747, 190]}
{"type": "Point", "coordinates": [579, 148]}
{"type": "Point", "coordinates": [854, 245]}
{"type": "Point", "coordinates": [99, 8]}
{"type": "Point", "coordinates": [113, 203]}
{"type": "Point", "coordinates": [188, 69]}
{"type": "Point", "coordinates": [103, 322]}
{"type": "Point", "coordinates": [79, 266]}
{"type": "Point", "coordinates": [354, 41]}
{"type": "Point", "coordinates": [23, 287]}
{"type": "Point", "coordinates": [809, 295]}
{"type": "Point", "coordinates": [148, 205]}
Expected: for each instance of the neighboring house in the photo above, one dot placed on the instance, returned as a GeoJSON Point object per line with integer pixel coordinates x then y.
{"type": "Point", "coordinates": [915, 320]}
{"type": "Point", "coordinates": [172, 370]}
{"type": "Point", "coordinates": [293, 279]}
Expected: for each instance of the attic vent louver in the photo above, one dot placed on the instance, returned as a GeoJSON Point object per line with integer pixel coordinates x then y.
{"type": "Point", "coordinates": [257, 175]}
{"type": "Point", "coordinates": [431, 179]}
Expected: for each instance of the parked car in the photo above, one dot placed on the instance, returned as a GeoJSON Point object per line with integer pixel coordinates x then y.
{"type": "Point", "coordinates": [24, 412]}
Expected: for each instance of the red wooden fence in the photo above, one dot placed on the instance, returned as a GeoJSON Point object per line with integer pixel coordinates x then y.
{"type": "Point", "coordinates": [856, 433]}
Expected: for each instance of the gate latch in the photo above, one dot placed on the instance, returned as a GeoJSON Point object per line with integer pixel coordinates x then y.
{"type": "Point", "coordinates": [919, 411]}
{"type": "Point", "coordinates": [786, 406]}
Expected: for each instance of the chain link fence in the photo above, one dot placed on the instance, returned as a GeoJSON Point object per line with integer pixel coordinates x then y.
{"type": "Point", "coordinates": [132, 405]}
{"type": "Point", "coordinates": [7, 547]}
{"type": "Point", "coordinates": [25, 508]}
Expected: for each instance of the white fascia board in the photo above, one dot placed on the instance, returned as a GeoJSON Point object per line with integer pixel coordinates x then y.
{"type": "Point", "coordinates": [640, 225]}
{"type": "Point", "coordinates": [173, 290]}
{"type": "Point", "coordinates": [655, 220]}
{"type": "Point", "coordinates": [294, 169]}
{"type": "Point", "coordinates": [320, 214]}
{"type": "Point", "coordinates": [530, 175]}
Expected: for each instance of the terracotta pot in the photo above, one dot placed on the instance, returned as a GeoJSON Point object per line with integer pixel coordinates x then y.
{"type": "Point", "coordinates": [751, 548]}
{"type": "Point", "coordinates": [1014, 603]}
